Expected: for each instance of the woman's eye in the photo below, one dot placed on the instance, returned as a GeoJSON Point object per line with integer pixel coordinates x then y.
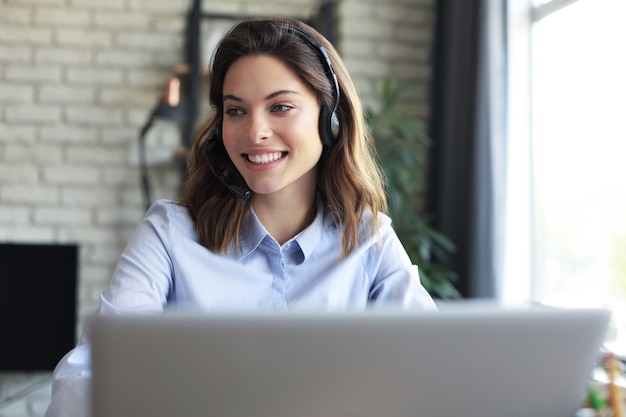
{"type": "Point", "coordinates": [279, 108]}
{"type": "Point", "coordinates": [234, 112]}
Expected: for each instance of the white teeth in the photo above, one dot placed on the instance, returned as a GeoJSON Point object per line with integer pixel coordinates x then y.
{"type": "Point", "coordinates": [265, 158]}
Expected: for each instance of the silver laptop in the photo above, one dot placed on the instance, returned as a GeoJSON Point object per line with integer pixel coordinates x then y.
{"type": "Point", "coordinates": [464, 361]}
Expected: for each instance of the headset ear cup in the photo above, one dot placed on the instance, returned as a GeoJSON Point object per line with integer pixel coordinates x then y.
{"type": "Point", "coordinates": [334, 126]}
{"type": "Point", "coordinates": [328, 126]}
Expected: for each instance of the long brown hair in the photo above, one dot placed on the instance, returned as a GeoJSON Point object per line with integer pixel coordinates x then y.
{"type": "Point", "coordinates": [349, 180]}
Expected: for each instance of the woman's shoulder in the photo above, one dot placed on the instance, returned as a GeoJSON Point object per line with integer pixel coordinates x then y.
{"type": "Point", "coordinates": [380, 220]}
{"type": "Point", "coordinates": [169, 212]}
{"type": "Point", "coordinates": [369, 222]}
{"type": "Point", "coordinates": [166, 206]}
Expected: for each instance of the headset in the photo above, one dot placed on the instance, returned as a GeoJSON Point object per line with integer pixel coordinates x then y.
{"type": "Point", "coordinates": [329, 121]}
{"type": "Point", "coordinates": [329, 124]}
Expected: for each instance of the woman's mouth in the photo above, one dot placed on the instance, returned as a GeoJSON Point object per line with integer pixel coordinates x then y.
{"type": "Point", "coordinates": [265, 158]}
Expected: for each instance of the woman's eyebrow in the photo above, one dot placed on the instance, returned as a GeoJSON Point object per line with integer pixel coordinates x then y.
{"type": "Point", "coordinates": [275, 94]}
{"type": "Point", "coordinates": [280, 93]}
{"type": "Point", "coordinates": [231, 97]}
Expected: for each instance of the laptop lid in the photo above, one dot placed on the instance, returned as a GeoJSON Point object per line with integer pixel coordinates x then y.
{"type": "Point", "coordinates": [461, 361]}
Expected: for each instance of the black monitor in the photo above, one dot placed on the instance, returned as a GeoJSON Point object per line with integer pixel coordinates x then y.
{"type": "Point", "coordinates": [37, 305]}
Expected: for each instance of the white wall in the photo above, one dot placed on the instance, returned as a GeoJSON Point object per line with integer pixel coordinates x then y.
{"type": "Point", "coordinates": [79, 77]}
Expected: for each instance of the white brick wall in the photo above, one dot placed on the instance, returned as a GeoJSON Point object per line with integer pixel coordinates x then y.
{"type": "Point", "coordinates": [78, 78]}
{"type": "Point", "coordinates": [389, 39]}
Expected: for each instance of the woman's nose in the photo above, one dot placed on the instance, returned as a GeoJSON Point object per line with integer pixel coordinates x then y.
{"type": "Point", "coordinates": [258, 128]}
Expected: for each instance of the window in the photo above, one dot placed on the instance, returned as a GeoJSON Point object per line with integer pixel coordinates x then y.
{"type": "Point", "coordinates": [566, 155]}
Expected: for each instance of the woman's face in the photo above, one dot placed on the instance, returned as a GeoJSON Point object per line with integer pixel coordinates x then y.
{"type": "Point", "coordinates": [270, 126]}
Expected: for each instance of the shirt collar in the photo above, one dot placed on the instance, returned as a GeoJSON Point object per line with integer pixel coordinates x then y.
{"type": "Point", "coordinates": [253, 232]}
{"type": "Point", "coordinates": [309, 237]}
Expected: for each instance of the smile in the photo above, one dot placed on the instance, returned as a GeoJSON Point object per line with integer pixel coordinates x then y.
{"type": "Point", "coordinates": [265, 158]}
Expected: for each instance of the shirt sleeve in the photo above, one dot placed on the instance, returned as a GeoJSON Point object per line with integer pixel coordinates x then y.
{"type": "Point", "coordinates": [397, 280]}
{"type": "Point", "coordinates": [144, 273]}
{"type": "Point", "coordinates": [140, 284]}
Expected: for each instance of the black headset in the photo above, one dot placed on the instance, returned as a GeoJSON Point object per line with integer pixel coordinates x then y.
{"type": "Point", "coordinates": [328, 123]}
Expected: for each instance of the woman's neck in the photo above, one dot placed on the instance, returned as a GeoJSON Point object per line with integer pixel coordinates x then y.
{"type": "Point", "coordinates": [284, 216]}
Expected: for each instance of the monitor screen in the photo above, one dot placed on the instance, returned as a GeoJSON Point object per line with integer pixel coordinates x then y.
{"type": "Point", "coordinates": [37, 305]}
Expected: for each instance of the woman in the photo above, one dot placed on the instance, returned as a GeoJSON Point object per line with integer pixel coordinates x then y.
{"type": "Point", "coordinates": [283, 206]}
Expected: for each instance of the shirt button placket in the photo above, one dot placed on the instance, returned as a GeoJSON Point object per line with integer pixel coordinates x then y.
{"type": "Point", "coordinates": [279, 296]}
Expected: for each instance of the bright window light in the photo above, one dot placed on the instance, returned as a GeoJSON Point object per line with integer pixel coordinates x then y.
{"type": "Point", "coordinates": [578, 172]}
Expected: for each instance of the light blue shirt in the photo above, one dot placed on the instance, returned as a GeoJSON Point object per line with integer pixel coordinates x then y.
{"type": "Point", "coordinates": [164, 266]}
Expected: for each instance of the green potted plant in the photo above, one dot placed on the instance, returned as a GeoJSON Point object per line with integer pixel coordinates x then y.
{"type": "Point", "coordinates": [402, 145]}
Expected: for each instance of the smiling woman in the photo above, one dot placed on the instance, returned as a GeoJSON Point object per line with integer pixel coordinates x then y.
{"type": "Point", "coordinates": [322, 94]}
{"type": "Point", "coordinates": [270, 133]}
{"type": "Point", "coordinates": [283, 209]}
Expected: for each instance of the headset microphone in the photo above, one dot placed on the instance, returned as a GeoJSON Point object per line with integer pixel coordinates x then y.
{"type": "Point", "coordinates": [240, 192]}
